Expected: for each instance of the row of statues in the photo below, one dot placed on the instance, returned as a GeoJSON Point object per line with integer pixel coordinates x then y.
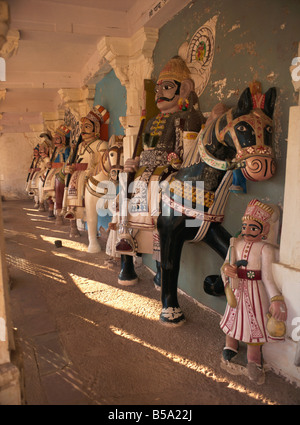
{"type": "Point", "coordinates": [67, 177]}
{"type": "Point", "coordinates": [59, 171]}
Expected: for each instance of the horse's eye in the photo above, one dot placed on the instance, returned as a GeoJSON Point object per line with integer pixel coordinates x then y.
{"type": "Point", "coordinates": [241, 128]}
{"type": "Point", "coordinates": [269, 129]}
{"type": "Point", "coordinates": [111, 154]}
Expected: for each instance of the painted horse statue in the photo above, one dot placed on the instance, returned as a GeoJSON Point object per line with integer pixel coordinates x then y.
{"type": "Point", "coordinates": [239, 139]}
{"type": "Point", "coordinates": [98, 194]}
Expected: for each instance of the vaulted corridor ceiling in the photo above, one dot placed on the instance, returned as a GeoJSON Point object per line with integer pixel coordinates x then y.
{"type": "Point", "coordinates": [52, 44]}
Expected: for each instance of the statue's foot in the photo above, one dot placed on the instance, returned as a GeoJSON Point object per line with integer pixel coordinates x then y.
{"type": "Point", "coordinates": [127, 275]}
{"type": "Point", "coordinates": [171, 316]}
{"type": "Point", "coordinates": [126, 246]}
{"type": "Point", "coordinates": [51, 214]}
{"type": "Point", "coordinates": [59, 220]}
{"type": "Point", "coordinates": [70, 215]}
{"type": "Point", "coordinates": [93, 248]}
{"type": "Point", "coordinates": [42, 207]}
{"type": "Point", "coordinates": [213, 285]}
{"type": "Point", "coordinates": [74, 232]}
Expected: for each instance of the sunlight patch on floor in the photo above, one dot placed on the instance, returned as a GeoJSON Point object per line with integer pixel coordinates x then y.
{"type": "Point", "coordinates": [10, 232]}
{"type": "Point", "coordinates": [34, 269]}
{"type": "Point", "coordinates": [118, 298]}
{"type": "Point", "coordinates": [28, 246]}
{"type": "Point", "coordinates": [78, 246]}
{"type": "Point", "coordinates": [77, 260]}
{"type": "Point", "coordinates": [53, 230]}
{"type": "Point", "coordinates": [197, 367]}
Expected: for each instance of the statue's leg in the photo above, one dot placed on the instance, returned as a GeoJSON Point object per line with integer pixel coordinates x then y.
{"type": "Point", "coordinates": [173, 233]}
{"type": "Point", "coordinates": [50, 208]}
{"type": "Point", "coordinates": [59, 194]}
{"type": "Point", "coordinates": [127, 276]}
{"type": "Point", "coordinates": [92, 221]}
{"type": "Point", "coordinates": [74, 232]}
{"type": "Point", "coordinates": [157, 277]}
{"type": "Point", "coordinates": [218, 239]}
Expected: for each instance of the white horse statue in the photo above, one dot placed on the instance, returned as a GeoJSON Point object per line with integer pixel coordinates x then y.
{"type": "Point", "coordinates": [101, 189]}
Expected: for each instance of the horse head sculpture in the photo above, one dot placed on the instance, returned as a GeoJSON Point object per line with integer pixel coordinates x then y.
{"type": "Point", "coordinates": [238, 139]}
{"type": "Point", "coordinates": [97, 187]}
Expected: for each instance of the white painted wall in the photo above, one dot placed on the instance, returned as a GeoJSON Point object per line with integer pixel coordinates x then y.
{"type": "Point", "coordinates": [16, 156]}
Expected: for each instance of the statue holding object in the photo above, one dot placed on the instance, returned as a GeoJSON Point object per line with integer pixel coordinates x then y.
{"type": "Point", "coordinates": [240, 138]}
{"type": "Point", "coordinates": [54, 184]}
{"type": "Point", "coordinates": [86, 161]}
{"type": "Point", "coordinates": [255, 311]}
{"type": "Point", "coordinates": [37, 180]}
{"type": "Point", "coordinates": [34, 167]}
{"type": "Point", "coordinates": [161, 154]}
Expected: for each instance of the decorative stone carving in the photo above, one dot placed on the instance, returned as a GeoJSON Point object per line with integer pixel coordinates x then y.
{"type": "Point", "coordinates": [10, 47]}
{"type": "Point", "coordinates": [4, 18]}
{"type": "Point", "coordinates": [131, 59]}
{"type": "Point", "coordinates": [79, 100]}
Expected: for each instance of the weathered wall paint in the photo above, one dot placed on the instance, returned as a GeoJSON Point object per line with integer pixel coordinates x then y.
{"type": "Point", "coordinates": [112, 95]}
{"type": "Point", "coordinates": [254, 40]}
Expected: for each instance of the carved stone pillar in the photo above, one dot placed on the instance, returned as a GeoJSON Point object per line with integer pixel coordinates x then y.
{"type": "Point", "coordinates": [131, 59]}
{"type": "Point", "coordinates": [285, 357]}
{"type": "Point", "coordinates": [79, 100]}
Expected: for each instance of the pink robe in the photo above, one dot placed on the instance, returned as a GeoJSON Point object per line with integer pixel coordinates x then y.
{"type": "Point", "coordinates": [247, 321]}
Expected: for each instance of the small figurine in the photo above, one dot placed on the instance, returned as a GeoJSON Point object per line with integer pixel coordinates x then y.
{"type": "Point", "coordinates": [252, 295]}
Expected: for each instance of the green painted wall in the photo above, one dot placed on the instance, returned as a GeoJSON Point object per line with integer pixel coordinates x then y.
{"type": "Point", "coordinates": [254, 40]}
{"type": "Point", "coordinates": [112, 95]}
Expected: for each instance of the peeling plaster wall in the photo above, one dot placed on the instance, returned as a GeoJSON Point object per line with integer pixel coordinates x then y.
{"type": "Point", "coordinates": [254, 40]}
{"type": "Point", "coordinates": [15, 149]}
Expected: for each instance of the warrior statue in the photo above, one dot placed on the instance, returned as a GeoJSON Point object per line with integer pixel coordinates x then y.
{"type": "Point", "coordinates": [86, 161]}
{"type": "Point", "coordinates": [162, 154]}
{"type": "Point", "coordinates": [54, 181]}
{"type": "Point", "coordinates": [34, 167]}
{"type": "Point", "coordinates": [36, 185]}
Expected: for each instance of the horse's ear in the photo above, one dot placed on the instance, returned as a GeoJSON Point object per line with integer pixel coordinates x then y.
{"type": "Point", "coordinates": [270, 99]}
{"type": "Point", "coordinates": [245, 104]}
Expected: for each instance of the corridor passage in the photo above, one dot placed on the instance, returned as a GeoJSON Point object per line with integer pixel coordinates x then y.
{"type": "Point", "coordinates": [85, 340]}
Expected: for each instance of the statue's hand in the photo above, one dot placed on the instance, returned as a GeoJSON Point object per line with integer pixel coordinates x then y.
{"type": "Point", "coordinates": [131, 165]}
{"type": "Point", "coordinates": [278, 310]}
{"type": "Point", "coordinates": [70, 169]}
{"type": "Point", "coordinates": [230, 270]}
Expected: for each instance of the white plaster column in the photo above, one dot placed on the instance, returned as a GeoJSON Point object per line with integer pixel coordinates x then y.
{"type": "Point", "coordinates": [285, 357]}
{"type": "Point", "coordinates": [79, 100]}
{"type": "Point", "coordinates": [131, 59]}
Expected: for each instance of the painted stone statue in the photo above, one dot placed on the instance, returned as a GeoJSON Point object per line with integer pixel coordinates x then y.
{"type": "Point", "coordinates": [34, 167]}
{"type": "Point", "coordinates": [54, 184]}
{"type": "Point", "coordinates": [254, 303]}
{"type": "Point", "coordinates": [87, 159]}
{"type": "Point", "coordinates": [162, 154]}
{"type": "Point", "coordinates": [36, 185]}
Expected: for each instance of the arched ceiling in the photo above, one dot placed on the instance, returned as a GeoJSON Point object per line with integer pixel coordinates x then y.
{"type": "Point", "coordinates": [57, 39]}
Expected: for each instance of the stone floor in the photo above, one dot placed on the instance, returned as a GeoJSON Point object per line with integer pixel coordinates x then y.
{"type": "Point", "coordinates": [85, 340]}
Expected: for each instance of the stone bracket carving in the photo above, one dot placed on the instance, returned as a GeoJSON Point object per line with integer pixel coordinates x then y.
{"type": "Point", "coordinates": [11, 45]}
{"type": "Point", "coordinates": [4, 19]}
{"type": "Point", "coordinates": [131, 59]}
{"type": "Point", "coordinates": [79, 100]}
